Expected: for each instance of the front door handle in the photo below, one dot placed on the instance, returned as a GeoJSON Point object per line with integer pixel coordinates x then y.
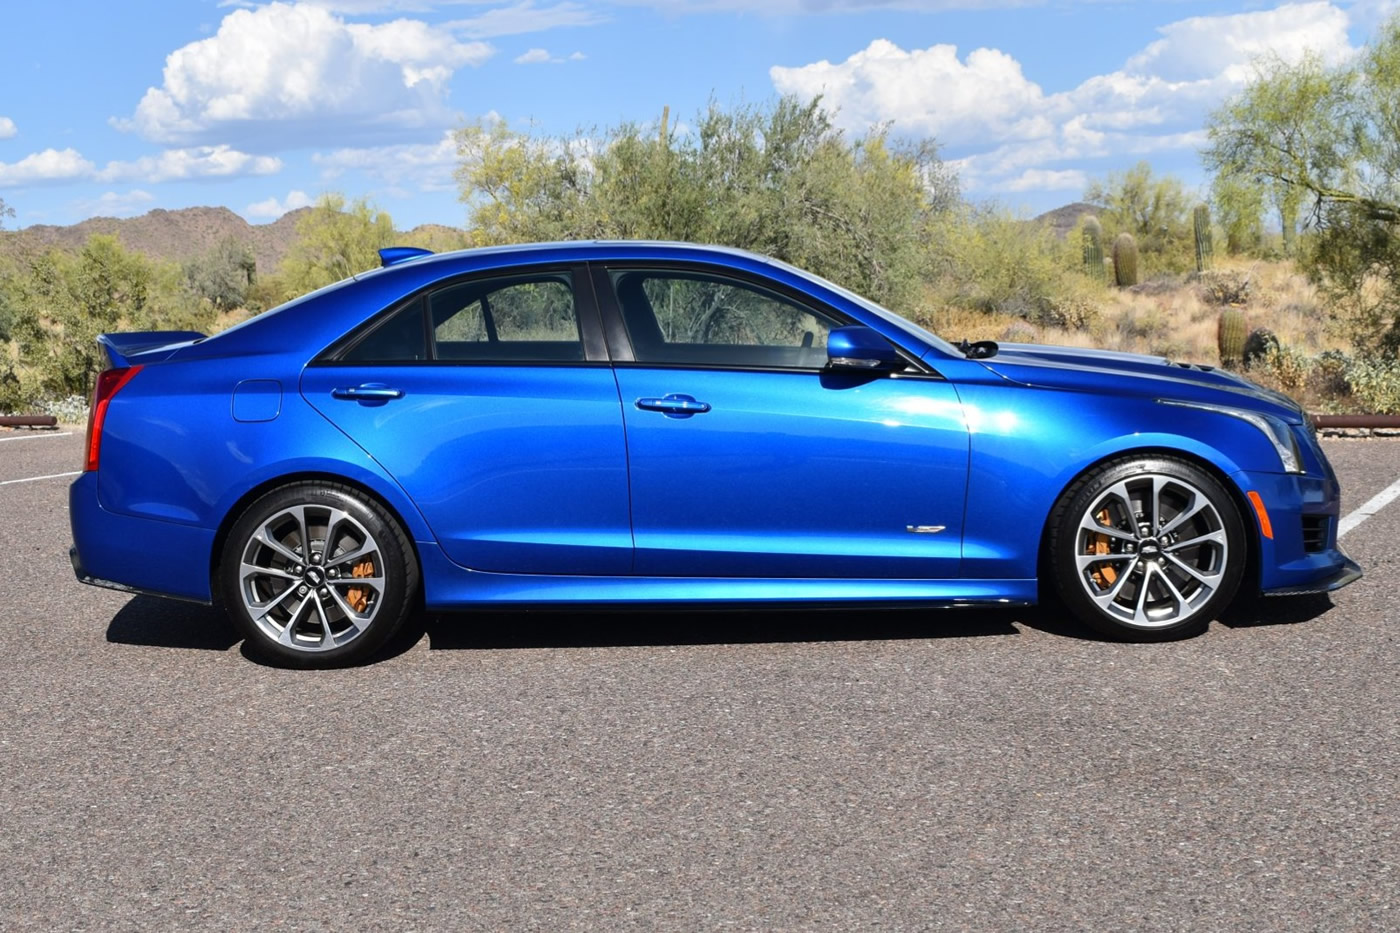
{"type": "Point", "coordinates": [369, 392]}
{"type": "Point", "coordinates": [674, 406]}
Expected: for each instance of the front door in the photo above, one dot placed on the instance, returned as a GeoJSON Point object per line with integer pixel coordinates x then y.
{"type": "Point", "coordinates": [747, 459]}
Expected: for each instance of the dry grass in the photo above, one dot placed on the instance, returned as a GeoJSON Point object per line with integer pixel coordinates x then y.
{"type": "Point", "coordinates": [1172, 317]}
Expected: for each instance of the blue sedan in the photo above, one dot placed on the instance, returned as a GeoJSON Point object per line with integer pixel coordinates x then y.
{"type": "Point", "coordinates": [668, 424]}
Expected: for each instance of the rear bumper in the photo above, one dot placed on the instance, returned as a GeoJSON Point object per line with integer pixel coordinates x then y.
{"type": "Point", "coordinates": [136, 555]}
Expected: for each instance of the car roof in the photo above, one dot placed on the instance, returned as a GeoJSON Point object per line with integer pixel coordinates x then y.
{"type": "Point", "coordinates": [578, 251]}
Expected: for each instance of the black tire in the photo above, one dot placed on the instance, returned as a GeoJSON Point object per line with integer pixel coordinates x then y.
{"type": "Point", "coordinates": [335, 608]}
{"type": "Point", "coordinates": [1181, 567]}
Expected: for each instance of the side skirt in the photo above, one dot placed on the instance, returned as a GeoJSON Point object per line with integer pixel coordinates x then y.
{"type": "Point", "coordinates": [448, 589]}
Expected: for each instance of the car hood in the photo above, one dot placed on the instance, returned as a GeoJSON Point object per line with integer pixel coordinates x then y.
{"type": "Point", "coordinates": [1112, 372]}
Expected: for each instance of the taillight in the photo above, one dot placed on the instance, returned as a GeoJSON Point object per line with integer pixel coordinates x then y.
{"type": "Point", "coordinates": [109, 383]}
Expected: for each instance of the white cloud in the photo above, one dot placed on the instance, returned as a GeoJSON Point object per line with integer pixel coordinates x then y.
{"type": "Point", "coordinates": [792, 7]}
{"type": "Point", "coordinates": [543, 57]}
{"type": "Point", "coordinates": [289, 73]}
{"type": "Point", "coordinates": [1039, 179]}
{"type": "Point", "coordinates": [273, 208]}
{"type": "Point", "coordinates": [1210, 47]}
{"type": "Point", "coordinates": [195, 162]}
{"type": "Point", "coordinates": [425, 166]}
{"type": "Point", "coordinates": [112, 204]}
{"type": "Point", "coordinates": [7, 128]}
{"type": "Point", "coordinates": [67, 165]}
{"type": "Point", "coordinates": [51, 165]}
{"type": "Point", "coordinates": [1014, 136]}
{"type": "Point", "coordinates": [928, 90]}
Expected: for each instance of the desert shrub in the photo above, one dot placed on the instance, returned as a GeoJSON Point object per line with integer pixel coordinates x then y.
{"type": "Point", "coordinates": [63, 300]}
{"type": "Point", "coordinates": [1257, 347]}
{"type": "Point", "coordinates": [989, 260]}
{"type": "Point", "coordinates": [13, 397]}
{"type": "Point", "coordinates": [1375, 385]}
{"type": "Point", "coordinates": [1329, 375]}
{"type": "Point", "coordinates": [335, 240]}
{"type": "Point", "coordinates": [1287, 368]}
{"type": "Point", "coordinates": [1224, 287]}
{"type": "Point", "coordinates": [1150, 325]}
{"type": "Point", "coordinates": [222, 276]}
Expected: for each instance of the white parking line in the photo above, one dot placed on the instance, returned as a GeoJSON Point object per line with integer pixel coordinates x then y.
{"type": "Point", "coordinates": [1377, 502]}
{"type": "Point", "coordinates": [34, 437]}
{"type": "Point", "coordinates": [35, 479]}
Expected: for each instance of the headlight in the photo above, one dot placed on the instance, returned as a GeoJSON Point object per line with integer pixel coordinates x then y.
{"type": "Point", "coordinates": [1275, 429]}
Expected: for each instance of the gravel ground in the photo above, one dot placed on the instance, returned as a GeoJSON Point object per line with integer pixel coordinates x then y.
{"type": "Point", "coordinates": [842, 770]}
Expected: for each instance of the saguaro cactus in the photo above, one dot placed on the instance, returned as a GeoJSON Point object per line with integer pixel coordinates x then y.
{"type": "Point", "coordinates": [1231, 335]}
{"type": "Point", "coordinates": [1205, 247]}
{"type": "Point", "coordinates": [1125, 261]}
{"type": "Point", "coordinates": [1093, 248]}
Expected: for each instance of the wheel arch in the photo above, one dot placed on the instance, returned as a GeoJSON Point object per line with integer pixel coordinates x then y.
{"type": "Point", "coordinates": [1250, 576]}
{"type": "Point", "coordinates": [236, 510]}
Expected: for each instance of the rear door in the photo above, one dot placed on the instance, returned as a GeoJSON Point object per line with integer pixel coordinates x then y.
{"type": "Point", "coordinates": [491, 401]}
{"type": "Point", "coordinates": [750, 459]}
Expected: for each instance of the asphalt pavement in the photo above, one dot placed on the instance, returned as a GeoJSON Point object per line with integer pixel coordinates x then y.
{"type": "Point", "coordinates": [797, 771]}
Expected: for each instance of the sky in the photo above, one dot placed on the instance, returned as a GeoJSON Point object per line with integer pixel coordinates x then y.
{"type": "Point", "coordinates": [116, 108]}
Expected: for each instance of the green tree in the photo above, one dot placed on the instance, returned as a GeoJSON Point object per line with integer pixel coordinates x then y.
{"type": "Point", "coordinates": [778, 179]}
{"type": "Point", "coordinates": [335, 240]}
{"type": "Point", "coordinates": [1155, 210]}
{"type": "Point", "coordinates": [1239, 207]}
{"type": "Point", "coordinates": [223, 275]}
{"type": "Point", "coordinates": [63, 301]}
{"type": "Point", "coordinates": [1324, 143]}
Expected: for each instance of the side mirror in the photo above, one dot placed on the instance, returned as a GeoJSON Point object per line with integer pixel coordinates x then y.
{"type": "Point", "coordinates": [861, 348]}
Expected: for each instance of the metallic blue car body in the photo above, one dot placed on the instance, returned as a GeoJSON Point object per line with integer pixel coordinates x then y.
{"type": "Point", "coordinates": [537, 483]}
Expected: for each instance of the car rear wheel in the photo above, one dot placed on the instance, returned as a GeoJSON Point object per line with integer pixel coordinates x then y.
{"type": "Point", "coordinates": [317, 575]}
{"type": "Point", "coordinates": [1147, 549]}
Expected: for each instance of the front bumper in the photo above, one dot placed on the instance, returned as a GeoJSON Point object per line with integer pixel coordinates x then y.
{"type": "Point", "coordinates": [1290, 563]}
{"type": "Point", "coordinates": [1348, 573]}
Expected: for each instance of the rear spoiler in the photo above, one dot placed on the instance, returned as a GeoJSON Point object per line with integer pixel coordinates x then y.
{"type": "Point", "coordinates": [122, 347]}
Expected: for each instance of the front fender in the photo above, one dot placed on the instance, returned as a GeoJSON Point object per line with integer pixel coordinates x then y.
{"type": "Point", "coordinates": [1028, 445]}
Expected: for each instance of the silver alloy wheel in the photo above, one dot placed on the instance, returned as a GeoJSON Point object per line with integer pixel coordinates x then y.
{"type": "Point", "coordinates": [311, 578]}
{"type": "Point", "coordinates": [1151, 551]}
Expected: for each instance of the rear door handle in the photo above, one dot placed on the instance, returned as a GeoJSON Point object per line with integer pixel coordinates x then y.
{"type": "Point", "coordinates": [369, 392]}
{"type": "Point", "coordinates": [674, 406]}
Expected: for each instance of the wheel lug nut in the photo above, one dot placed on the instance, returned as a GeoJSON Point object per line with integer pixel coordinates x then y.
{"type": "Point", "coordinates": [302, 590]}
{"type": "Point", "coordinates": [325, 591]}
{"type": "Point", "coordinates": [298, 569]}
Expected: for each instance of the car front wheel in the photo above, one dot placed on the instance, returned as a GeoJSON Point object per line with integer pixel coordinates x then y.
{"type": "Point", "coordinates": [317, 575]}
{"type": "Point", "coordinates": [1147, 549]}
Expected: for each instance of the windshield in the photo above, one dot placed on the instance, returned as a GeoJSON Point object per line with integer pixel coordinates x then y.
{"type": "Point", "coordinates": [883, 314]}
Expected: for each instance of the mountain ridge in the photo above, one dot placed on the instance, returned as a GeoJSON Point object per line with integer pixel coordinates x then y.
{"type": "Point", "coordinates": [177, 235]}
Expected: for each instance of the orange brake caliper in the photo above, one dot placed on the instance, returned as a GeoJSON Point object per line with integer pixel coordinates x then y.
{"type": "Point", "coordinates": [1104, 576]}
{"type": "Point", "coordinates": [358, 598]}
